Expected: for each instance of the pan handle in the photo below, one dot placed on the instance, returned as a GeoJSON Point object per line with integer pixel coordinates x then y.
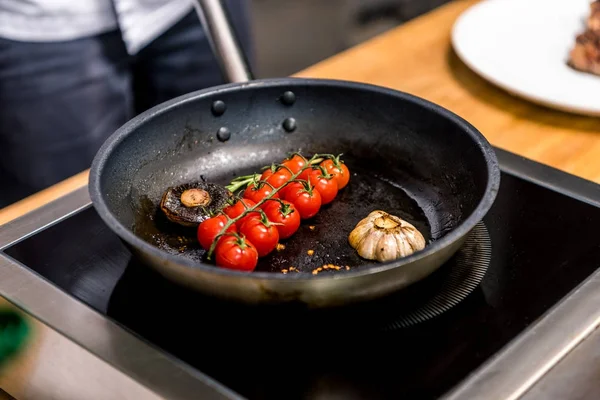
{"type": "Point", "coordinates": [224, 43]}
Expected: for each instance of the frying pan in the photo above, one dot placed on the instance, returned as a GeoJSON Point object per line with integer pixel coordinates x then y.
{"type": "Point", "coordinates": [407, 156]}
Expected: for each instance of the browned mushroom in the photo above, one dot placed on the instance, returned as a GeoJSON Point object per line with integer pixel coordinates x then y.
{"type": "Point", "coordinates": [191, 203]}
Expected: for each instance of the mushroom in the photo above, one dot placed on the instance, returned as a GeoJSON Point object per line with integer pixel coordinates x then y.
{"type": "Point", "coordinates": [191, 203]}
{"type": "Point", "coordinates": [384, 237]}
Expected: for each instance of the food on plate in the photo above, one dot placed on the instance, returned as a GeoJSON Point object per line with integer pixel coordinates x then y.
{"type": "Point", "coordinates": [593, 21]}
{"type": "Point", "coordinates": [585, 55]}
{"type": "Point", "coordinates": [384, 237]}
{"type": "Point", "coordinates": [191, 203]}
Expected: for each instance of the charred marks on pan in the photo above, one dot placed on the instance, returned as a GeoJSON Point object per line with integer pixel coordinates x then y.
{"type": "Point", "coordinates": [153, 226]}
{"type": "Point", "coordinates": [364, 194]}
{"type": "Point", "coordinates": [188, 140]}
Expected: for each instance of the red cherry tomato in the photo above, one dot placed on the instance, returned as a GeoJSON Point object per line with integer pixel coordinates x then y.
{"type": "Point", "coordinates": [277, 178]}
{"type": "Point", "coordinates": [269, 203]}
{"type": "Point", "coordinates": [283, 213]}
{"type": "Point", "coordinates": [236, 253]}
{"type": "Point", "coordinates": [210, 228]}
{"type": "Point", "coordinates": [238, 208]}
{"type": "Point", "coordinates": [324, 184]}
{"type": "Point", "coordinates": [249, 216]}
{"type": "Point", "coordinates": [257, 194]}
{"type": "Point", "coordinates": [295, 163]}
{"type": "Point", "coordinates": [235, 210]}
{"type": "Point", "coordinates": [262, 234]}
{"type": "Point", "coordinates": [338, 169]}
{"type": "Point", "coordinates": [306, 199]}
{"type": "Point", "coordinates": [304, 175]}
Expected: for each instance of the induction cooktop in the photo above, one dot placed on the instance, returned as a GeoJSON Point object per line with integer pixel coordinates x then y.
{"type": "Point", "coordinates": [537, 243]}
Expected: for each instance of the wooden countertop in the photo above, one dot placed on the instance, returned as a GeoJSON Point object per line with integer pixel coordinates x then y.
{"type": "Point", "coordinates": [417, 58]}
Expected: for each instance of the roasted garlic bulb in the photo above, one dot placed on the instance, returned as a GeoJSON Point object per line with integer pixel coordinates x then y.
{"type": "Point", "coordinates": [384, 237]}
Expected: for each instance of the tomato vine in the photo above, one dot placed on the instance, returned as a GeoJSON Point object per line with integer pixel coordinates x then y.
{"type": "Point", "coordinates": [255, 179]}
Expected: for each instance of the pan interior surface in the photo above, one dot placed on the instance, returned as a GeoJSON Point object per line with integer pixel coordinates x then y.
{"type": "Point", "coordinates": [406, 157]}
{"type": "Point", "coordinates": [326, 235]}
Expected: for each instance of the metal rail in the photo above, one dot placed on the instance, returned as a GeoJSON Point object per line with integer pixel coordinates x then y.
{"type": "Point", "coordinates": [77, 352]}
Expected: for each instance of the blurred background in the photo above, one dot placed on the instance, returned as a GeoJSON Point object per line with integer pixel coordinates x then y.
{"type": "Point", "coordinates": [327, 26]}
{"type": "Point", "coordinates": [73, 72]}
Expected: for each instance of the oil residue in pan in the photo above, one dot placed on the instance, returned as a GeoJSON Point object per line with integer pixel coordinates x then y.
{"type": "Point", "coordinates": [322, 240]}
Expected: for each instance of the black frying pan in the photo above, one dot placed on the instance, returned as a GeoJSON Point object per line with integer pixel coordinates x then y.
{"type": "Point", "coordinates": [408, 157]}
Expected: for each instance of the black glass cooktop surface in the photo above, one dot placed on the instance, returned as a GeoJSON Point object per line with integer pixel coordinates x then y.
{"type": "Point", "coordinates": [544, 243]}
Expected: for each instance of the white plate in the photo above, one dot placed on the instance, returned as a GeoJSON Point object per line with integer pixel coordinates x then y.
{"type": "Point", "coordinates": [523, 45]}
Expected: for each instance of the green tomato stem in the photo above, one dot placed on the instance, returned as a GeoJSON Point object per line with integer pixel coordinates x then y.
{"type": "Point", "coordinates": [241, 181]}
{"type": "Point", "coordinates": [231, 221]}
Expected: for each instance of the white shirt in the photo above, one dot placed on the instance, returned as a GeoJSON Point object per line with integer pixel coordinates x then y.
{"type": "Point", "coordinates": [140, 21]}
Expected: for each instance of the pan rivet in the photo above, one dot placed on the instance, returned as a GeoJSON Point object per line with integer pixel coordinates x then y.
{"type": "Point", "coordinates": [223, 134]}
{"type": "Point", "coordinates": [288, 98]}
{"type": "Point", "coordinates": [289, 124]}
{"type": "Point", "coordinates": [218, 108]}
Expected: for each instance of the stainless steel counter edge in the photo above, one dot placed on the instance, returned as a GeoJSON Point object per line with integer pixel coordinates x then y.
{"type": "Point", "coordinates": [523, 362]}
{"type": "Point", "coordinates": [517, 367]}
{"type": "Point", "coordinates": [575, 377]}
{"type": "Point", "coordinates": [138, 369]}
{"type": "Point", "coordinates": [44, 217]}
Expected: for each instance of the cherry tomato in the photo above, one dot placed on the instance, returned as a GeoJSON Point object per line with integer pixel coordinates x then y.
{"type": "Point", "coordinates": [282, 192]}
{"type": "Point", "coordinates": [238, 208]}
{"type": "Point", "coordinates": [277, 178]}
{"type": "Point", "coordinates": [306, 199]}
{"type": "Point", "coordinates": [295, 163]}
{"type": "Point", "coordinates": [236, 253]}
{"type": "Point", "coordinates": [250, 215]}
{"type": "Point", "coordinates": [210, 228]}
{"type": "Point", "coordinates": [338, 169]}
{"type": "Point", "coordinates": [324, 184]}
{"type": "Point", "coordinates": [257, 194]}
{"type": "Point", "coordinates": [269, 203]}
{"type": "Point", "coordinates": [283, 213]}
{"type": "Point", "coordinates": [306, 173]}
{"type": "Point", "coordinates": [262, 234]}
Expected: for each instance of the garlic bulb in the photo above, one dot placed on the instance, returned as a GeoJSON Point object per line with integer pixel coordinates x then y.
{"type": "Point", "coordinates": [384, 237]}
